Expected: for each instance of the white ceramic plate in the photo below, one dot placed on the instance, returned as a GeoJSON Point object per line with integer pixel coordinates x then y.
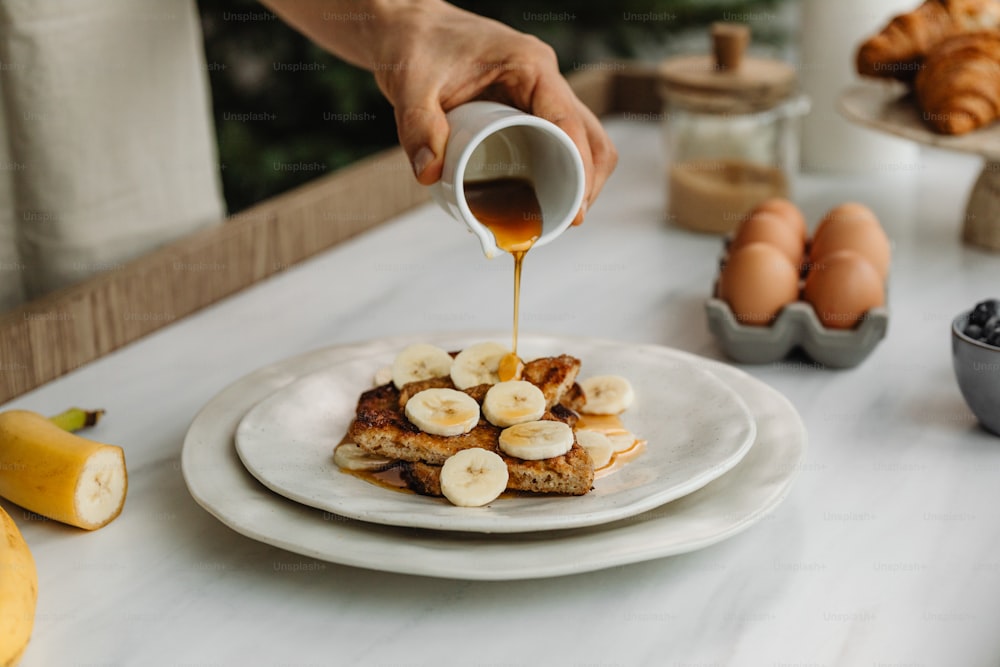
{"type": "Point", "coordinates": [737, 500]}
{"type": "Point", "coordinates": [696, 429]}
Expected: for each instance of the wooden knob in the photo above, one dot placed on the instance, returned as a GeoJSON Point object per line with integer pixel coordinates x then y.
{"type": "Point", "coordinates": [729, 42]}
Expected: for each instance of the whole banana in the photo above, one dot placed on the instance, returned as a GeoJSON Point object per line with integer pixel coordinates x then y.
{"type": "Point", "coordinates": [18, 592]}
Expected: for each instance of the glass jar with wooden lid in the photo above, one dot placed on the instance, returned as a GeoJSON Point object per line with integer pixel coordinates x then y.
{"type": "Point", "coordinates": [731, 126]}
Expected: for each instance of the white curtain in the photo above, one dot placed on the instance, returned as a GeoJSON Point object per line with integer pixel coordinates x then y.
{"type": "Point", "coordinates": [110, 150]}
{"type": "Point", "coordinates": [11, 269]}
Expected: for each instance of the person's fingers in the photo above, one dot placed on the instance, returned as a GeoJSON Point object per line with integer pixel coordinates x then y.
{"type": "Point", "coordinates": [536, 85]}
{"type": "Point", "coordinates": [559, 106]}
{"type": "Point", "coordinates": [599, 155]}
{"type": "Point", "coordinates": [603, 152]}
{"type": "Point", "coordinates": [530, 81]}
{"type": "Point", "coordinates": [533, 83]}
{"type": "Point", "coordinates": [573, 126]}
{"type": "Point", "coordinates": [423, 132]}
{"type": "Point", "coordinates": [578, 133]}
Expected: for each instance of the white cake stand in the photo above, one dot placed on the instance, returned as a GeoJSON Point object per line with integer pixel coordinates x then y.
{"type": "Point", "coordinates": [892, 110]}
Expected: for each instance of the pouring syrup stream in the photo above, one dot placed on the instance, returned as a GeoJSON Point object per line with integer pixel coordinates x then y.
{"type": "Point", "coordinates": [509, 208]}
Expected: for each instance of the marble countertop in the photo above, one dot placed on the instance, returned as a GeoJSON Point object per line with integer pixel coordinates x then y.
{"type": "Point", "coordinates": [882, 554]}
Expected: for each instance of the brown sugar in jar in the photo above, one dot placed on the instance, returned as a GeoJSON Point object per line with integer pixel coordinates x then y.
{"type": "Point", "coordinates": [730, 125]}
{"type": "Point", "coordinates": [713, 195]}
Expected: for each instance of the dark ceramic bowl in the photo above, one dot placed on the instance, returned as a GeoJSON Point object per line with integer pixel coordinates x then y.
{"type": "Point", "coordinates": [977, 368]}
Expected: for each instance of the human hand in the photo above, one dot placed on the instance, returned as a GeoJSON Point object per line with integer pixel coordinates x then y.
{"type": "Point", "coordinates": [430, 57]}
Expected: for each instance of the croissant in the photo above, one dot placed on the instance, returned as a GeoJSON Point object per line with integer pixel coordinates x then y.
{"type": "Point", "coordinates": [958, 89]}
{"type": "Point", "coordinates": [898, 51]}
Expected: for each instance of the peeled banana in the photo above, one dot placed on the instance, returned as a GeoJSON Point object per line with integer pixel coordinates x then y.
{"type": "Point", "coordinates": [18, 591]}
{"type": "Point", "coordinates": [58, 474]}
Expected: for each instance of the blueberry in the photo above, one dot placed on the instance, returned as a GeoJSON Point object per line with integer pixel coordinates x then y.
{"type": "Point", "coordinates": [973, 331]}
{"type": "Point", "coordinates": [993, 338]}
{"type": "Point", "coordinates": [985, 311]}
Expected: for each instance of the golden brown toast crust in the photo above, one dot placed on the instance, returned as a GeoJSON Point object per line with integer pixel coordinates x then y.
{"type": "Point", "coordinates": [555, 376]}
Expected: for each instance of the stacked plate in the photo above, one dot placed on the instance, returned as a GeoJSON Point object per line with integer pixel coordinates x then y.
{"type": "Point", "coordinates": [721, 452]}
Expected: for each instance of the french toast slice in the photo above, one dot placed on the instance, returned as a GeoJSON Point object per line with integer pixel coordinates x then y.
{"type": "Point", "coordinates": [381, 428]}
{"type": "Point", "coordinates": [570, 474]}
{"type": "Point", "coordinates": [555, 376]}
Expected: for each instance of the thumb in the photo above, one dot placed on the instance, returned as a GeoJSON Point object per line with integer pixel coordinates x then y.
{"type": "Point", "coordinates": [423, 133]}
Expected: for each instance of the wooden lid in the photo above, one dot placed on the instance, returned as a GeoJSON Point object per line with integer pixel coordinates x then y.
{"type": "Point", "coordinates": [726, 81]}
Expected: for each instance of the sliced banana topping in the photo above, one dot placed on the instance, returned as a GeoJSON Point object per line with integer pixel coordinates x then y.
{"type": "Point", "coordinates": [597, 445]}
{"type": "Point", "coordinates": [420, 362]}
{"type": "Point", "coordinates": [622, 441]}
{"type": "Point", "coordinates": [349, 456]}
{"type": "Point", "coordinates": [478, 364]}
{"type": "Point", "coordinates": [513, 402]}
{"type": "Point", "coordinates": [606, 395]}
{"type": "Point", "coordinates": [383, 376]}
{"type": "Point", "coordinates": [536, 440]}
{"type": "Point", "coordinates": [473, 477]}
{"type": "Point", "coordinates": [444, 412]}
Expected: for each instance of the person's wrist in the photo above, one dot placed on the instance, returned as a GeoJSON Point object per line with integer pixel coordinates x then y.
{"type": "Point", "coordinates": [389, 14]}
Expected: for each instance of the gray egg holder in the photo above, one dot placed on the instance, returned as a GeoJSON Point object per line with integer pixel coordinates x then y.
{"type": "Point", "coordinates": [796, 326]}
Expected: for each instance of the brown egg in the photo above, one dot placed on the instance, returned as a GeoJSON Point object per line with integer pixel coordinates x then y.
{"type": "Point", "coordinates": [846, 211]}
{"type": "Point", "coordinates": [774, 230]}
{"type": "Point", "coordinates": [842, 287]}
{"type": "Point", "coordinates": [852, 227]}
{"type": "Point", "coordinates": [757, 281]}
{"type": "Point", "coordinates": [788, 211]}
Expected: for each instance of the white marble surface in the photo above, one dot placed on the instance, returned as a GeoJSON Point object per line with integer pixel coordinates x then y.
{"type": "Point", "coordinates": [886, 552]}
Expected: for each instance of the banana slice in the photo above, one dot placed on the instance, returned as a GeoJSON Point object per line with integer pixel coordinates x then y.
{"type": "Point", "coordinates": [606, 395]}
{"type": "Point", "coordinates": [420, 362]}
{"type": "Point", "coordinates": [513, 402]}
{"type": "Point", "coordinates": [444, 412]}
{"type": "Point", "coordinates": [536, 440]}
{"type": "Point", "coordinates": [622, 441]}
{"type": "Point", "coordinates": [597, 445]}
{"type": "Point", "coordinates": [478, 364]}
{"type": "Point", "coordinates": [349, 456]}
{"type": "Point", "coordinates": [473, 477]}
{"type": "Point", "coordinates": [383, 376]}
